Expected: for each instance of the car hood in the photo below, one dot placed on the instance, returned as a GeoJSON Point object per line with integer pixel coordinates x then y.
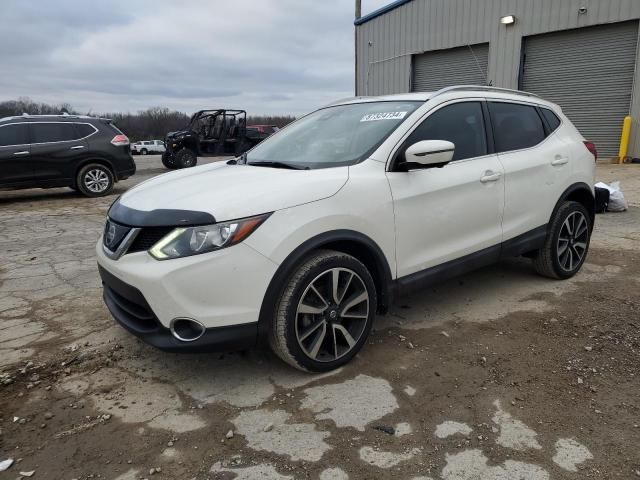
{"type": "Point", "coordinates": [228, 192]}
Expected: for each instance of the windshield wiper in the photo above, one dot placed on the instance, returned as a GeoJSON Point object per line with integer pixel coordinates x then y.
{"type": "Point", "coordinates": [277, 165]}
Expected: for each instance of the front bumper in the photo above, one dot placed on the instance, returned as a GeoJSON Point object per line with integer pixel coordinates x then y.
{"type": "Point", "coordinates": [131, 310]}
{"type": "Point", "coordinates": [223, 290]}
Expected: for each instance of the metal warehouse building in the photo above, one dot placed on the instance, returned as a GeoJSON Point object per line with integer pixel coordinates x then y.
{"type": "Point", "coordinates": [580, 54]}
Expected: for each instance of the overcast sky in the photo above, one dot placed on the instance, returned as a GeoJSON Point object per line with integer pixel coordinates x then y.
{"type": "Point", "coordinates": [266, 56]}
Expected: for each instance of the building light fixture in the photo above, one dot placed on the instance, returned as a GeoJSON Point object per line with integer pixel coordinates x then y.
{"type": "Point", "coordinates": [508, 20]}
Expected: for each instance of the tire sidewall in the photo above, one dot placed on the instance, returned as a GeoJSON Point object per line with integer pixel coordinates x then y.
{"type": "Point", "coordinates": [82, 188]}
{"type": "Point", "coordinates": [562, 214]}
{"type": "Point", "coordinates": [183, 156]}
{"type": "Point", "coordinates": [340, 260]}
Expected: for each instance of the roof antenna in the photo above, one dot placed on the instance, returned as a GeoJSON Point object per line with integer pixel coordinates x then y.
{"type": "Point", "coordinates": [484, 74]}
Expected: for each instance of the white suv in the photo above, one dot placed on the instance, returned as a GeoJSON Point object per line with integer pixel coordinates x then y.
{"type": "Point", "coordinates": [304, 238]}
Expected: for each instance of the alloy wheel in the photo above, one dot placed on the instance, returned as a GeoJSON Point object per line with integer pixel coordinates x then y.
{"type": "Point", "coordinates": [96, 180]}
{"type": "Point", "coordinates": [572, 241]}
{"type": "Point", "coordinates": [332, 314]}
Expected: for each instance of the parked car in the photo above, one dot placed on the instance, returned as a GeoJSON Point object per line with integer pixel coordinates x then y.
{"type": "Point", "coordinates": [307, 236]}
{"type": "Point", "coordinates": [42, 151]}
{"type": "Point", "coordinates": [209, 133]}
{"type": "Point", "coordinates": [147, 146]}
{"type": "Point", "coordinates": [257, 133]}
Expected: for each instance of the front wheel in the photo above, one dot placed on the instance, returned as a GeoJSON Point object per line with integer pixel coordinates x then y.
{"type": "Point", "coordinates": [325, 312]}
{"type": "Point", "coordinates": [143, 151]}
{"type": "Point", "coordinates": [185, 158]}
{"type": "Point", "coordinates": [168, 161]}
{"type": "Point", "coordinates": [567, 242]}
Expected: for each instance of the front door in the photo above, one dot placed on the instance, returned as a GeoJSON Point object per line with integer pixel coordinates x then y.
{"type": "Point", "coordinates": [443, 214]}
{"type": "Point", "coordinates": [16, 167]}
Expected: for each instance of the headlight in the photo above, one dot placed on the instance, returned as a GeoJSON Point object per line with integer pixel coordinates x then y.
{"type": "Point", "coordinates": [183, 242]}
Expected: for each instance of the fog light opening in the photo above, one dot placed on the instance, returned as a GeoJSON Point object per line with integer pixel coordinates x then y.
{"type": "Point", "coordinates": [186, 329]}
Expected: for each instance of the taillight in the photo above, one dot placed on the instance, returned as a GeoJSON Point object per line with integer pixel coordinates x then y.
{"type": "Point", "coordinates": [120, 140]}
{"type": "Point", "coordinates": [592, 148]}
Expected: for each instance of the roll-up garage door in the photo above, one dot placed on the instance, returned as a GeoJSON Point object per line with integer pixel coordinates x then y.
{"type": "Point", "coordinates": [589, 73]}
{"type": "Point", "coordinates": [455, 66]}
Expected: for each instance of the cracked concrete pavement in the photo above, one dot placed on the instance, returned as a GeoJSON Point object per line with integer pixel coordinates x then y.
{"type": "Point", "coordinates": [498, 374]}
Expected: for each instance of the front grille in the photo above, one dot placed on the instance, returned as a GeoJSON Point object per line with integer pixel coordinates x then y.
{"type": "Point", "coordinates": [114, 234]}
{"type": "Point", "coordinates": [147, 238]}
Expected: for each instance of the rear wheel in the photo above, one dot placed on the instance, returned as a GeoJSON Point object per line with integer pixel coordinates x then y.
{"type": "Point", "coordinates": [567, 242]}
{"type": "Point", "coordinates": [94, 180]}
{"type": "Point", "coordinates": [325, 312]}
{"type": "Point", "coordinates": [185, 158]}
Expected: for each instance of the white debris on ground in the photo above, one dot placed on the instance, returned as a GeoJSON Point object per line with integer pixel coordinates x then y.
{"type": "Point", "coordinates": [403, 428]}
{"type": "Point", "coordinates": [449, 428]}
{"type": "Point", "coordinates": [353, 403]}
{"type": "Point", "coordinates": [409, 390]}
{"type": "Point", "coordinates": [5, 464]}
{"type": "Point", "coordinates": [472, 465]}
{"type": "Point", "coordinates": [300, 441]}
{"type": "Point", "coordinates": [128, 475]}
{"type": "Point", "coordinates": [263, 472]}
{"type": "Point", "coordinates": [513, 433]}
{"type": "Point", "coordinates": [382, 459]}
{"type": "Point", "coordinates": [569, 454]}
{"type": "Point", "coordinates": [334, 474]}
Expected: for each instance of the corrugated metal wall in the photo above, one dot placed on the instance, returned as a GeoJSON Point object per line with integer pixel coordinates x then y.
{"type": "Point", "coordinates": [385, 44]}
{"type": "Point", "coordinates": [454, 66]}
{"type": "Point", "coordinates": [589, 72]}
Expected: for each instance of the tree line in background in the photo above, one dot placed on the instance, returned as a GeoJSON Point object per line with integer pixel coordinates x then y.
{"type": "Point", "coordinates": [153, 123]}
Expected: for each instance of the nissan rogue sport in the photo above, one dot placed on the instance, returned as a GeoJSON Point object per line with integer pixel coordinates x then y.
{"type": "Point", "coordinates": [305, 237]}
{"type": "Point", "coordinates": [87, 154]}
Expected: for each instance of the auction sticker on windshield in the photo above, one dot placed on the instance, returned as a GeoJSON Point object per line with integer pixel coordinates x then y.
{"type": "Point", "coordinates": [371, 117]}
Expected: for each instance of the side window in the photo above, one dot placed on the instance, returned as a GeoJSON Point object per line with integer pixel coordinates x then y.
{"type": "Point", "coordinates": [17, 134]}
{"type": "Point", "coordinates": [552, 118]}
{"type": "Point", "coordinates": [83, 130]}
{"type": "Point", "coordinates": [460, 123]}
{"type": "Point", "coordinates": [515, 126]}
{"type": "Point", "coordinates": [52, 132]}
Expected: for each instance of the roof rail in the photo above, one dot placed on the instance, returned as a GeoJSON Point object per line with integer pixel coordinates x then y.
{"type": "Point", "coordinates": [483, 88]}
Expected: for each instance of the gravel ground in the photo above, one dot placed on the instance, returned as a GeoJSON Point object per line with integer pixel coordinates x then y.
{"type": "Point", "coordinates": [496, 375]}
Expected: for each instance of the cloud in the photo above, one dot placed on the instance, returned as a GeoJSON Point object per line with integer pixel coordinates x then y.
{"type": "Point", "coordinates": [267, 56]}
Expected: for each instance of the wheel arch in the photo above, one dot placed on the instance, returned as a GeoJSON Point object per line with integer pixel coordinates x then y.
{"type": "Point", "coordinates": [578, 192]}
{"type": "Point", "coordinates": [351, 242]}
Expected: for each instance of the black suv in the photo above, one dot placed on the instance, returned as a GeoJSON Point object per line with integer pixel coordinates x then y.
{"type": "Point", "coordinates": [87, 154]}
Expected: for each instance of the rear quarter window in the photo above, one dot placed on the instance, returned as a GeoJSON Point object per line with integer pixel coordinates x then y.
{"type": "Point", "coordinates": [515, 126]}
{"type": "Point", "coordinates": [552, 119]}
{"type": "Point", "coordinates": [84, 130]}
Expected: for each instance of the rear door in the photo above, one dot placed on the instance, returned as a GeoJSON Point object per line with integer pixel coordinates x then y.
{"type": "Point", "coordinates": [16, 167]}
{"type": "Point", "coordinates": [56, 151]}
{"type": "Point", "coordinates": [536, 161]}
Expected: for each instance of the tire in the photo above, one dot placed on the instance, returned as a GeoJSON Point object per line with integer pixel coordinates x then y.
{"type": "Point", "coordinates": [169, 161]}
{"type": "Point", "coordinates": [567, 242]}
{"type": "Point", "coordinates": [322, 338]}
{"type": "Point", "coordinates": [94, 180]}
{"type": "Point", "coordinates": [143, 151]}
{"type": "Point", "coordinates": [185, 158]}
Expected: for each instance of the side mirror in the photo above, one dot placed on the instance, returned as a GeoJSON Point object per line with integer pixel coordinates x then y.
{"type": "Point", "coordinates": [429, 153]}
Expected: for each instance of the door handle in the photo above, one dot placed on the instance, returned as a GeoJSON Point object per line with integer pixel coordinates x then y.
{"type": "Point", "coordinates": [490, 176]}
{"type": "Point", "coordinates": [24, 152]}
{"type": "Point", "coordinates": [560, 161]}
{"type": "Point", "coordinates": [77, 147]}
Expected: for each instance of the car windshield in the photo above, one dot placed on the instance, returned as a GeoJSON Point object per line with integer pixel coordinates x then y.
{"type": "Point", "coordinates": [333, 136]}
